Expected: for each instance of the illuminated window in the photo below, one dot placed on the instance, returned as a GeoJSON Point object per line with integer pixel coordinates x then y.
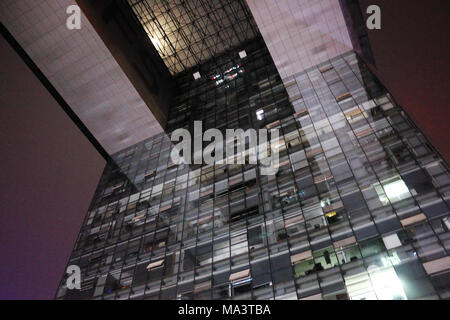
{"type": "Point", "coordinates": [197, 75]}
{"type": "Point", "coordinates": [393, 190]}
{"type": "Point", "coordinates": [260, 114]}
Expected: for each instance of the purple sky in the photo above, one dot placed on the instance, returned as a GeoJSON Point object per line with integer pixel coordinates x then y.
{"type": "Point", "coordinates": [49, 172]}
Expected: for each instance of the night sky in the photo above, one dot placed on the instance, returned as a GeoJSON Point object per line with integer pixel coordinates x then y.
{"type": "Point", "coordinates": [49, 170]}
{"type": "Point", "coordinates": [412, 60]}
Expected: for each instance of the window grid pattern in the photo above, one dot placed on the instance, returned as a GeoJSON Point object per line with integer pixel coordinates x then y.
{"type": "Point", "coordinates": [358, 209]}
{"type": "Point", "coordinates": [187, 33]}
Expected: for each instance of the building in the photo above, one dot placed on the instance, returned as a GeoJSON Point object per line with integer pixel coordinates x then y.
{"type": "Point", "coordinates": [357, 210]}
{"type": "Point", "coordinates": [394, 57]}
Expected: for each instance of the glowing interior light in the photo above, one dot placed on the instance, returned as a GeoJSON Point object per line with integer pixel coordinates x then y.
{"type": "Point", "coordinates": [325, 202]}
{"type": "Point", "coordinates": [260, 114]}
{"type": "Point", "coordinates": [386, 284]}
{"type": "Point", "coordinates": [381, 283]}
{"type": "Point", "coordinates": [331, 214]}
{"type": "Point", "coordinates": [156, 43]}
{"type": "Point", "coordinates": [396, 190]}
{"type": "Point", "coordinates": [197, 75]}
{"type": "Point", "coordinates": [242, 54]}
{"type": "Point", "coordinates": [392, 191]}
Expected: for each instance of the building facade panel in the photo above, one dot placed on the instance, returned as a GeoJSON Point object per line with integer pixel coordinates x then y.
{"type": "Point", "coordinates": [83, 71]}
{"type": "Point", "coordinates": [301, 33]}
{"type": "Point", "coordinates": [357, 210]}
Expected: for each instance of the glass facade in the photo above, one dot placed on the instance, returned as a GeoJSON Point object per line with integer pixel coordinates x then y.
{"type": "Point", "coordinates": [358, 208]}
{"type": "Point", "coordinates": [188, 33]}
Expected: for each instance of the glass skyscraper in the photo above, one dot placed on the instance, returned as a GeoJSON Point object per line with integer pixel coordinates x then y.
{"type": "Point", "coordinates": [357, 210]}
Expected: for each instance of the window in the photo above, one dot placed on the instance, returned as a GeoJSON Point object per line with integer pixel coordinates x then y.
{"type": "Point", "coordinates": [393, 190]}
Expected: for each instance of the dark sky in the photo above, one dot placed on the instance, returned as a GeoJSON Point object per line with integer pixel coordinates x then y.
{"type": "Point", "coordinates": [412, 58]}
{"type": "Point", "coordinates": [49, 172]}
